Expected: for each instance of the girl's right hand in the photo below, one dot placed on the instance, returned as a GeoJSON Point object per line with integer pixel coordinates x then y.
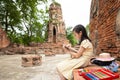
{"type": "Point", "coordinates": [64, 45]}
{"type": "Point", "coordinates": [68, 45]}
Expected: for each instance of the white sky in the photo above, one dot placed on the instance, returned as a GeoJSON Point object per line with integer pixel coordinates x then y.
{"type": "Point", "coordinates": [75, 12]}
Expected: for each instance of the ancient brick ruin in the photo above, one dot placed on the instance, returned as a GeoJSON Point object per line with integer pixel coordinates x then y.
{"type": "Point", "coordinates": [56, 27]}
{"type": "Point", "coordinates": [4, 41]}
{"type": "Point", "coordinates": [56, 36]}
{"type": "Point", "coordinates": [56, 31]}
{"type": "Point", "coordinates": [105, 26]}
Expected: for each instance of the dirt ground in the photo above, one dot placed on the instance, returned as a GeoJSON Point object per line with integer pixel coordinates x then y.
{"type": "Point", "coordinates": [11, 69]}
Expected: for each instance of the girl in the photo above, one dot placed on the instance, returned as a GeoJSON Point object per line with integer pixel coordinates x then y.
{"type": "Point", "coordinates": [80, 57]}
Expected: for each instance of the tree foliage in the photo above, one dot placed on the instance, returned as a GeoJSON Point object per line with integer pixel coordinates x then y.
{"type": "Point", "coordinates": [70, 36]}
{"type": "Point", "coordinates": [24, 21]}
{"type": "Point", "coordinates": [87, 29]}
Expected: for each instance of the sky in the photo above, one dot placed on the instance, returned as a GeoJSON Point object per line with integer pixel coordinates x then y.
{"type": "Point", "coordinates": [75, 12]}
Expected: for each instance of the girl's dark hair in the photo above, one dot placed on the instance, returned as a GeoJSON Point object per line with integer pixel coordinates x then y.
{"type": "Point", "coordinates": [79, 28]}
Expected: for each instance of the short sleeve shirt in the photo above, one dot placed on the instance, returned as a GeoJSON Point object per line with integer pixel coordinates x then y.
{"type": "Point", "coordinates": [86, 44]}
{"type": "Point", "coordinates": [88, 47]}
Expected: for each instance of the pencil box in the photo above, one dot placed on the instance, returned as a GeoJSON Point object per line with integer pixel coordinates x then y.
{"type": "Point", "coordinates": [100, 74]}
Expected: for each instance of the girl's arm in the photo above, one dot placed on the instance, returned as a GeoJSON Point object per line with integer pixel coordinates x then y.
{"type": "Point", "coordinates": [71, 49]}
{"type": "Point", "coordinates": [75, 53]}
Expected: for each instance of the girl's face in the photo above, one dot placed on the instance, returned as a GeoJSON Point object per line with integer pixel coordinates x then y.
{"type": "Point", "coordinates": [77, 35]}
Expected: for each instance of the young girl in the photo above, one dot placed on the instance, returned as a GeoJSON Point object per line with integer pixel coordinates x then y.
{"type": "Point", "coordinates": [80, 57]}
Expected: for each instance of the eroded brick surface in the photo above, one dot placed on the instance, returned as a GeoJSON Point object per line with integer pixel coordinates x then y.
{"type": "Point", "coordinates": [31, 60]}
{"type": "Point", "coordinates": [105, 26]}
{"type": "Point", "coordinates": [4, 41]}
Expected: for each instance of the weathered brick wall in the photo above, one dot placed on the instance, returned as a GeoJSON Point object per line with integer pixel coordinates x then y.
{"type": "Point", "coordinates": [105, 26]}
{"type": "Point", "coordinates": [4, 41]}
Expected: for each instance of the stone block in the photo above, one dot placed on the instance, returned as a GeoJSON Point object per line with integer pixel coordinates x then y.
{"type": "Point", "coordinates": [31, 60]}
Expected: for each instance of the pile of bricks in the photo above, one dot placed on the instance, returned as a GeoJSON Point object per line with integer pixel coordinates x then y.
{"type": "Point", "coordinates": [31, 60]}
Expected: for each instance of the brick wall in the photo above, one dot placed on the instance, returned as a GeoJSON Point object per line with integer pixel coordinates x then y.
{"type": "Point", "coordinates": [4, 41]}
{"type": "Point", "coordinates": [105, 26]}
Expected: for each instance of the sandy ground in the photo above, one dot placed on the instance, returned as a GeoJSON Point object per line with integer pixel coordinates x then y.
{"type": "Point", "coordinates": [11, 69]}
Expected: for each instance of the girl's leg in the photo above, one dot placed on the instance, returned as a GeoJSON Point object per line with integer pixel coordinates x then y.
{"type": "Point", "coordinates": [61, 76]}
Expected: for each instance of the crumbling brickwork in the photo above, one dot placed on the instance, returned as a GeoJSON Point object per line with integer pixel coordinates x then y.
{"type": "Point", "coordinates": [105, 26]}
{"type": "Point", "coordinates": [56, 31]}
{"type": "Point", "coordinates": [31, 60]}
{"type": "Point", "coordinates": [4, 41]}
{"type": "Point", "coordinates": [56, 27]}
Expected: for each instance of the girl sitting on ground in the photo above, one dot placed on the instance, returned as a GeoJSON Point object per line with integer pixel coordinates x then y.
{"type": "Point", "coordinates": [79, 58]}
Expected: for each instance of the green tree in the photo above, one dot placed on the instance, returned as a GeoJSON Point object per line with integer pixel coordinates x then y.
{"type": "Point", "coordinates": [23, 21]}
{"type": "Point", "coordinates": [70, 36]}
